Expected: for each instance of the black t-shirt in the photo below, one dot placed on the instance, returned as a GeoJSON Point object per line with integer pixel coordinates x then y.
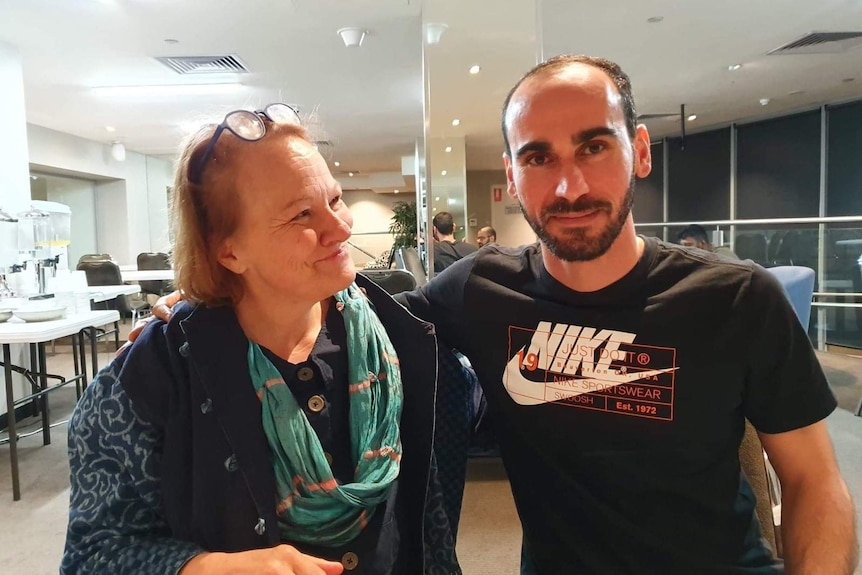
{"type": "Point", "coordinates": [447, 253]}
{"type": "Point", "coordinates": [621, 411]}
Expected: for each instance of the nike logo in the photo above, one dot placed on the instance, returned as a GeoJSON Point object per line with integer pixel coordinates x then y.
{"type": "Point", "coordinates": [526, 392]}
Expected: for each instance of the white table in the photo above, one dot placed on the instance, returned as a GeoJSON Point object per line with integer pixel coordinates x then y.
{"type": "Point", "coordinates": [36, 334]}
{"type": "Point", "coordinates": [107, 293]}
{"type": "Point", "coordinates": [147, 275]}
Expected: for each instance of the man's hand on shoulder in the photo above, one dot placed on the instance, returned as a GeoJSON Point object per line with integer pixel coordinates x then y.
{"type": "Point", "coordinates": [163, 309]}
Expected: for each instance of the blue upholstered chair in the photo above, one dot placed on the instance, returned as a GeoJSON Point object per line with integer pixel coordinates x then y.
{"type": "Point", "coordinates": [798, 283]}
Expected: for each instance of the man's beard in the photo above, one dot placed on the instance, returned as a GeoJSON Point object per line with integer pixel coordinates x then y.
{"type": "Point", "coordinates": [575, 244]}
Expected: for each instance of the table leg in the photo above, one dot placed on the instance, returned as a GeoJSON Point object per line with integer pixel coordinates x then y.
{"type": "Point", "coordinates": [10, 422]}
{"type": "Point", "coordinates": [34, 368]}
{"type": "Point", "coordinates": [83, 353]}
{"type": "Point", "coordinates": [43, 401]}
{"type": "Point", "coordinates": [94, 351]}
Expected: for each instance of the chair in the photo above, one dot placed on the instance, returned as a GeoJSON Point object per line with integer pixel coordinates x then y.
{"type": "Point", "coordinates": [393, 281]}
{"type": "Point", "coordinates": [155, 261]}
{"type": "Point", "coordinates": [95, 258]}
{"type": "Point", "coordinates": [798, 284]}
{"type": "Point", "coordinates": [108, 273]}
{"type": "Point", "coordinates": [408, 259]}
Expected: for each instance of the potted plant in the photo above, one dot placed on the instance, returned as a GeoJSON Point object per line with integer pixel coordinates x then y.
{"type": "Point", "coordinates": [403, 225]}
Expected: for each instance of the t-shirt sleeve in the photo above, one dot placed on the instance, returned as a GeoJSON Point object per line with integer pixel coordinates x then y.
{"type": "Point", "coordinates": [785, 388]}
{"type": "Point", "coordinates": [441, 302]}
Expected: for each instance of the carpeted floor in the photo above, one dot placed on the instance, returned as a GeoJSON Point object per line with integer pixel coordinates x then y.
{"type": "Point", "coordinates": [32, 530]}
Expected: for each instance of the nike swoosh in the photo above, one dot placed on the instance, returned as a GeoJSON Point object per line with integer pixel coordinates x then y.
{"type": "Point", "coordinates": [526, 392]}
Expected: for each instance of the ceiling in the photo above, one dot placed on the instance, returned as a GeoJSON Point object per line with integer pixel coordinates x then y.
{"type": "Point", "coordinates": [368, 101]}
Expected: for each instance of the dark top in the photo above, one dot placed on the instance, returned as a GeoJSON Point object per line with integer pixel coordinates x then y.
{"type": "Point", "coordinates": [447, 253]}
{"type": "Point", "coordinates": [622, 410]}
{"type": "Point", "coordinates": [168, 456]}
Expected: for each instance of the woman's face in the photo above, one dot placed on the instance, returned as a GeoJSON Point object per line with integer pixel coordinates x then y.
{"type": "Point", "coordinates": [290, 245]}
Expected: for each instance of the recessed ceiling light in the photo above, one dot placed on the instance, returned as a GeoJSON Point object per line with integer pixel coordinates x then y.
{"type": "Point", "coordinates": [475, 69]}
{"type": "Point", "coordinates": [655, 19]}
{"type": "Point", "coordinates": [171, 41]}
{"type": "Point", "coordinates": [692, 118]}
{"type": "Point", "coordinates": [437, 199]}
{"type": "Point", "coordinates": [734, 67]}
{"type": "Point", "coordinates": [434, 210]}
{"type": "Point", "coordinates": [350, 174]}
{"type": "Point", "coordinates": [456, 122]}
{"type": "Point", "coordinates": [396, 191]}
{"type": "Point", "coordinates": [764, 101]}
{"type": "Point", "coordinates": [443, 173]}
{"type": "Point", "coordinates": [451, 201]}
{"type": "Point", "coordinates": [337, 164]}
{"type": "Point", "coordinates": [110, 129]}
{"type": "Point", "coordinates": [448, 149]}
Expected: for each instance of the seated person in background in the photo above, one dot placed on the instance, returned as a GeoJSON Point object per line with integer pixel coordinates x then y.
{"type": "Point", "coordinates": [486, 235]}
{"type": "Point", "coordinates": [446, 249]}
{"type": "Point", "coordinates": [261, 429]}
{"type": "Point", "coordinates": [695, 236]}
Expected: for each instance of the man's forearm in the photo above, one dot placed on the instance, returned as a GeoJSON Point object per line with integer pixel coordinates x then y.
{"type": "Point", "coordinates": [818, 529]}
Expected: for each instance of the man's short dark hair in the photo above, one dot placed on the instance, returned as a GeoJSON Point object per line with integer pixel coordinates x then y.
{"type": "Point", "coordinates": [619, 78]}
{"type": "Point", "coordinates": [695, 232]}
{"type": "Point", "coordinates": [444, 223]}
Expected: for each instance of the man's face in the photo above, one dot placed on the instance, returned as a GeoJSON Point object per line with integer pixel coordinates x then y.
{"type": "Point", "coordinates": [693, 243]}
{"type": "Point", "coordinates": [484, 237]}
{"type": "Point", "coordinates": [573, 163]}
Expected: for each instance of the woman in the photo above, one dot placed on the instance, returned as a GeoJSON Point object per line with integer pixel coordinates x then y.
{"type": "Point", "coordinates": [283, 421]}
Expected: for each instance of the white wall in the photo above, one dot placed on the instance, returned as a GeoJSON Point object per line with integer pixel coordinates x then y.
{"type": "Point", "coordinates": [113, 237]}
{"type": "Point", "coordinates": [79, 195]}
{"type": "Point", "coordinates": [160, 175]}
{"type": "Point", "coordinates": [140, 181]}
{"type": "Point", "coordinates": [14, 171]}
{"type": "Point", "coordinates": [372, 214]}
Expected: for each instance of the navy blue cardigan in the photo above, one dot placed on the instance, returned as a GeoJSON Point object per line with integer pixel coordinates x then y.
{"type": "Point", "coordinates": [189, 380]}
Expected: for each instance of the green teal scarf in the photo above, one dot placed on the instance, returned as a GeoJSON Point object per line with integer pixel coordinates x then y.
{"type": "Point", "coordinates": [312, 506]}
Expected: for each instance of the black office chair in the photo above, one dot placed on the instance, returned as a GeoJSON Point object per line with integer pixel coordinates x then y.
{"type": "Point", "coordinates": [95, 258]}
{"type": "Point", "coordinates": [393, 281]}
{"type": "Point", "coordinates": [106, 274]}
{"type": "Point", "coordinates": [408, 259]}
{"type": "Point", "coordinates": [155, 261]}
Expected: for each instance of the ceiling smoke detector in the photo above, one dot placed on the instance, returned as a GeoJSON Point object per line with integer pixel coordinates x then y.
{"type": "Point", "coordinates": [352, 37]}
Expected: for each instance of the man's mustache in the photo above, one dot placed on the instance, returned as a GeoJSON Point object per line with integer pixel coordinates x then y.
{"type": "Point", "coordinates": [581, 205]}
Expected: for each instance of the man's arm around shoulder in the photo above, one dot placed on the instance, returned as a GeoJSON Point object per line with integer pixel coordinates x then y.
{"type": "Point", "coordinates": [818, 517]}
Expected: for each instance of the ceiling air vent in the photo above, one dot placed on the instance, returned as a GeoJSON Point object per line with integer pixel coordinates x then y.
{"type": "Point", "coordinates": [820, 43]}
{"type": "Point", "coordinates": [230, 64]}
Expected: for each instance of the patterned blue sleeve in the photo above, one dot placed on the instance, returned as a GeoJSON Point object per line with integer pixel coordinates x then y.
{"type": "Point", "coordinates": [115, 524]}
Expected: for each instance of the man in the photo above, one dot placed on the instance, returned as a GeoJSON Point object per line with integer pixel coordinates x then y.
{"type": "Point", "coordinates": [446, 250]}
{"type": "Point", "coordinates": [619, 429]}
{"type": "Point", "coordinates": [695, 236]}
{"type": "Point", "coordinates": [486, 235]}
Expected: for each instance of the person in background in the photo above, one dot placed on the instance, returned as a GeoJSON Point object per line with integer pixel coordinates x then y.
{"type": "Point", "coordinates": [486, 235]}
{"type": "Point", "coordinates": [282, 421]}
{"type": "Point", "coordinates": [446, 250]}
{"type": "Point", "coordinates": [695, 236]}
